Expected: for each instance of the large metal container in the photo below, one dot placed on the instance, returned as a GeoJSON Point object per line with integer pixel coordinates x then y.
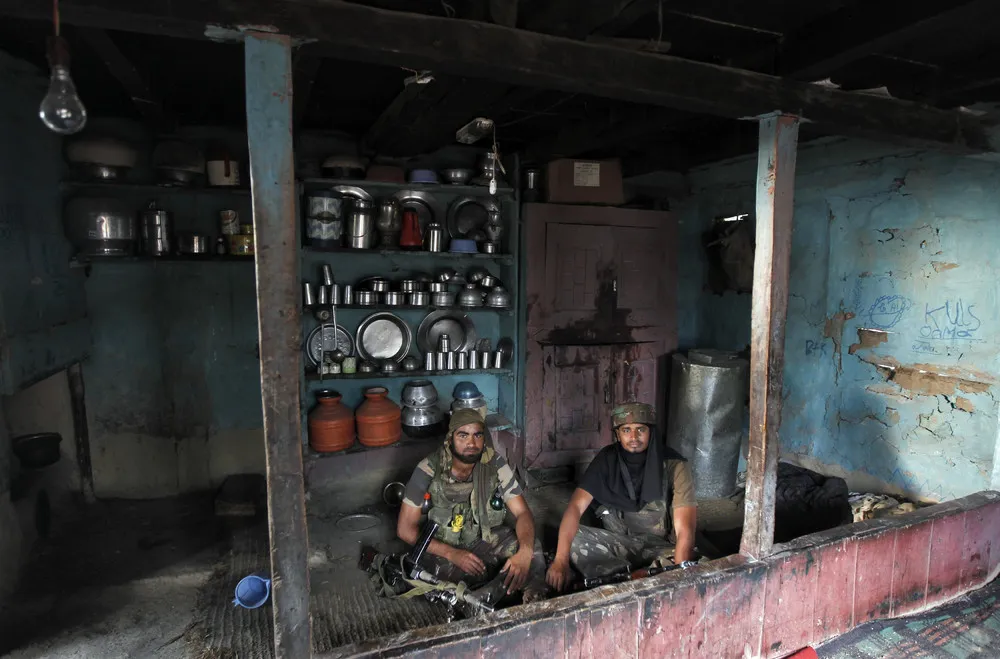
{"type": "Point", "coordinates": [100, 226]}
{"type": "Point", "coordinates": [705, 423]}
{"type": "Point", "coordinates": [156, 228]}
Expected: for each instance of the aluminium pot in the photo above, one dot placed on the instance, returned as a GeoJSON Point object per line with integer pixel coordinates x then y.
{"type": "Point", "coordinates": [100, 226]}
{"type": "Point", "coordinates": [419, 393]}
{"type": "Point", "coordinates": [420, 299]}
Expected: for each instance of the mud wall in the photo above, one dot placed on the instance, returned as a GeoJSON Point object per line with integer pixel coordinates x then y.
{"type": "Point", "coordinates": [893, 338]}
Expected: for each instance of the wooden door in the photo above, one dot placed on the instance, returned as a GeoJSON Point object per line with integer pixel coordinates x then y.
{"type": "Point", "coordinates": [637, 372]}
{"type": "Point", "coordinates": [577, 393]}
{"type": "Point", "coordinates": [642, 273]}
{"type": "Point", "coordinates": [579, 274]}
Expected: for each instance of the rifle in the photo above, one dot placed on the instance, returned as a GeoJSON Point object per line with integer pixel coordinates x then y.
{"type": "Point", "coordinates": [624, 575]}
{"type": "Point", "coordinates": [403, 571]}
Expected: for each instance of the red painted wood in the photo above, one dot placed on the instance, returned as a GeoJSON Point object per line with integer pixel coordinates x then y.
{"type": "Point", "coordinates": [579, 639]}
{"type": "Point", "coordinates": [909, 571]}
{"type": "Point", "coordinates": [466, 649]}
{"type": "Point", "coordinates": [543, 639]}
{"type": "Point", "coordinates": [740, 604]}
{"type": "Point", "coordinates": [789, 604]}
{"type": "Point", "coordinates": [944, 572]}
{"type": "Point", "coordinates": [873, 577]}
{"type": "Point", "coordinates": [991, 530]}
{"type": "Point", "coordinates": [834, 609]}
{"type": "Point", "coordinates": [615, 631]}
{"type": "Point", "coordinates": [975, 549]}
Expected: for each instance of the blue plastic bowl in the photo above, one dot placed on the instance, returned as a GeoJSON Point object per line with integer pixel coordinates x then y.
{"type": "Point", "coordinates": [253, 591]}
{"type": "Point", "coordinates": [463, 246]}
{"type": "Point", "coordinates": [423, 176]}
{"type": "Point", "coordinates": [466, 390]}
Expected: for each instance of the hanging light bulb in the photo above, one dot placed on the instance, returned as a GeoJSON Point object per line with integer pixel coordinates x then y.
{"type": "Point", "coordinates": [61, 110]}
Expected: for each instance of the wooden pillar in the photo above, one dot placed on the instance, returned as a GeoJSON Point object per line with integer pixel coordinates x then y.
{"type": "Point", "coordinates": [775, 187]}
{"type": "Point", "coordinates": [272, 180]}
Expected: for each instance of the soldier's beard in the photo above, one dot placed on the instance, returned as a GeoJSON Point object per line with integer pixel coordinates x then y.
{"type": "Point", "coordinates": [467, 458]}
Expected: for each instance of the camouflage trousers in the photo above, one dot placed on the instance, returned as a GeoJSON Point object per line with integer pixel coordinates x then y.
{"type": "Point", "coordinates": [599, 552]}
{"type": "Point", "coordinates": [494, 555]}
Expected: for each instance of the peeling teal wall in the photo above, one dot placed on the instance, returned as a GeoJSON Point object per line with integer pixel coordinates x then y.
{"type": "Point", "coordinates": [898, 248]}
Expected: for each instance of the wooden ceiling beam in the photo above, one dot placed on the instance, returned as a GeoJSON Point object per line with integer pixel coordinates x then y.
{"type": "Point", "coordinates": [150, 107]}
{"type": "Point", "coordinates": [865, 28]}
{"type": "Point", "coordinates": [356, 32]}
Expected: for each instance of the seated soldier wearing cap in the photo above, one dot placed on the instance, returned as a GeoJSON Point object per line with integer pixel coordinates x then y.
{"type": "Point", "coordinates": [470, 486]}
{"type": "Point", "coordinates": [643, 490]}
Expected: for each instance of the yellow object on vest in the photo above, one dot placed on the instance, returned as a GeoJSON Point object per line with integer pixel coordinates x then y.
{"type": "Point", "coordinates": [457, 522]}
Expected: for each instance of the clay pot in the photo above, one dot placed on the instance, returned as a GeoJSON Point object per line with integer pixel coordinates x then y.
{"type": "Point", "coordinates": [331, 423]}
{"type": "Point", "coordinates": [378, 419]}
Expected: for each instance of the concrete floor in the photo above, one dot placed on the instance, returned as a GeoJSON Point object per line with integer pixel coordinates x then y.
{"type": "Point", "coordinates": [136, 578]}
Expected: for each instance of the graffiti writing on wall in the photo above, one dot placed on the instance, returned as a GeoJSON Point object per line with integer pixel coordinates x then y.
{"type": "Point", "coordinates": [954, 320]}
{"type": "Point", "coordinates": [888, 310]}
{"type": "Point", "coordinates": [817, 348]}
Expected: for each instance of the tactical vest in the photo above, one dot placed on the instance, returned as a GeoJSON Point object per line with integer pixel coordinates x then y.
{"type": "Point", "coordinates": [652, 519]}
{"type": "Point", "coordinates": [452, 507]}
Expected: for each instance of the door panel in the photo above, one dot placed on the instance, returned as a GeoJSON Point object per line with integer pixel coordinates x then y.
{"type": "Point", "coordinates": [579, 273]}
{"type": "Point", "coordinates": [577, 392]}
{"type": "Point", "coordinates": [637, 371]}
{"type": "Point", "coordinates": [641, 276]}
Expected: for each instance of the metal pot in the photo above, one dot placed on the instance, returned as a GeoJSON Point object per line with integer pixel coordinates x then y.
{"type": "Point", "coordinates": [475, 275]}
{"type": "Point", "coordinates": [470, 296]}
{"type": "Point", "coordinates": [437, 287]}
{"type": "Point", "coordinates": [498, 298]}
{"type": "Point", "coordinates": [377, 285]}
{"type": "Point", "coordinates": [420, 299]}
{"type": "Point", "coordinates": [100, 226]}
{"type": "Point", "coordinates": [420, 417]}
{"type": "Point", "coordinates": [389, 366]}
{"type": "Point", "coordinates": [393, 298]}
{"type": "Point", "coordinates": [156, 228]}
{"type": "Point", "coordinates": [366, 367]}
{"type": "Point", "coordinates": [361, 224]}
{"type": "Point", "coordinates": [409, 286]}
{"type": "Point", "coordinates": [443, 299]}
{"type": "Point", "coordinates": [365, 298]}
{"type": "Point", "coordinates": [410, 363]}
{"type": "Point", "coordinates": [38, 450]}
{"type": "Point", "coordinates": [419, 393]}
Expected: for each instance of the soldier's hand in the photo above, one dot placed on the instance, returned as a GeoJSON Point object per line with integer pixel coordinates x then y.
{"type": "Point", "coordinates": [558, 575]}
{"type": "Point", "coordinates": [467, 562]}
{"type": "Point", "coordinates": [516, 569]}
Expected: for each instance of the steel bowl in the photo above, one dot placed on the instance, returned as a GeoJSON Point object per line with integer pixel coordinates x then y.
{"type": "Point", "coordinates": [443, 299]}
{"type": "Point", "coordinates": [365, 298]}
{"type": "Point", "coordinates": [475, 275]}
{"type": "Point", "coordinates": [378, 285]}
{"type": "Point", "coordinates": [38, 450]}
{"type": "Point", "coordinates": [393, 494]}
{"type": "Point", "coordinates": [393, 298]}
{"type": "Point", "coordinates": [466, 390]}
{"type": "Point", "coordinates": [489, 281]}
{"type": "Point", "coordinates": [420, 299]}
{"type": "Point", "coordinates": [410, 363]}
{"type": "Point", "coordinates": [366, 367]}
{"type": "Point", "coordinates": [498, 298]}
{"type": "Point", "coordinates": [447, 275]}
{"type": "Point", "coordinates": [437, 287]}
{"type": "Point", "coordinates": [419, 393]}
{"type": "Point", "coordinates": [470, 297]}
{"type": "Point", "coordinates": [389, 366]}
{"type": "Point", "coordinates": [456, 176]}
{"type": "Point", "coordinates": [409, 286]}
{"type": "Point", "coordinates": [489, 247]}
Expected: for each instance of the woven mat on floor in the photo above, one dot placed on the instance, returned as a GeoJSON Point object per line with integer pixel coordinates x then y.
{"type": "Point", "coordinates": [344, 608]}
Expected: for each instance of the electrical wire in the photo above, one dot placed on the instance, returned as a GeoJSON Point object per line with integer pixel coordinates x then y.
{"type": "Point", "coordinates": [55, 15]}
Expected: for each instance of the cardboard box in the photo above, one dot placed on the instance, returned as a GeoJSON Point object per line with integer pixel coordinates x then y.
{"type": "Point", "coordinates": [571, 181]}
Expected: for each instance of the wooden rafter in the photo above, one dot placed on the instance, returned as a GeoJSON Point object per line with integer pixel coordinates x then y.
{"type": "Point", "coordinates": [136, 86]}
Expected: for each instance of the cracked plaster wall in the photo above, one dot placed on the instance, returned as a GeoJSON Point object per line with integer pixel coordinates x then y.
{"type": "Point", "coordinates": [893, 340]}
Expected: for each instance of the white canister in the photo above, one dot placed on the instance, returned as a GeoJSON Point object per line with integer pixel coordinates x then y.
{"type": "Point", "coordinates": [223, 172]}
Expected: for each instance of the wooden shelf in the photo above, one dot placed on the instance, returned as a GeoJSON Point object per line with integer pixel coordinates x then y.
{"type": "Point", "coordinates": [358, 447]}
{"type": "Point", "coordinates": [471, 190]}
{"type": "Point", "coordinates": [151, 188]}
{"type": "Point", "coordinates": [378, 375]}
{"type": "Point", "coordinates": [84, 261]}
{"type": "Point", "coordinates": [500, 258]}
{"type": "Point", "coordinates": [406, 307]}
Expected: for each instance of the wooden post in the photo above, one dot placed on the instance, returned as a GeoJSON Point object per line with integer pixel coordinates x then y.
{"type": "Point", "coordinates": [272, 179]}
{"type": "Point", "coordinates": [775, 189]}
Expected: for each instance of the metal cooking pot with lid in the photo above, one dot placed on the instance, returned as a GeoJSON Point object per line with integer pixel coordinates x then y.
{"type": "Point", "coordinates": [100, 226]}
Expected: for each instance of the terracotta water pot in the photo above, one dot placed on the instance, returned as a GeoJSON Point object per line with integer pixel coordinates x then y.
{"type": "Point", "coordinates": [378, 419]}
{"type": "Point", "coordinates": [331, 423]}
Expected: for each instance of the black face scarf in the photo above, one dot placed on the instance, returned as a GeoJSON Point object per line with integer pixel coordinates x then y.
{"type": "Point", "coordinates": [628, 481]}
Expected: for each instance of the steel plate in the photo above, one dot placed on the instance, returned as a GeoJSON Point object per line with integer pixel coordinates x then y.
{"type": "Point", "coordinates": [457, 325]}
{"type": "Point", "coordinates": [383, 335]}
{"type": "Point", "coordinates": [357, 522]}
{"type": "Point", "coordinates": [466, 214]}
{"type": "Point", "coordinates": [314, 347]}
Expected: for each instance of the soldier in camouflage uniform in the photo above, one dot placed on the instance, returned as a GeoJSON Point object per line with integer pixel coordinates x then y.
{"type": "Point", "coordinates": [470, 488]}
{"type": "Point", "coordinates": [645, 500]}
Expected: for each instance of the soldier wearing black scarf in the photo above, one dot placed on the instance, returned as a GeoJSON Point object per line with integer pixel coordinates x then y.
{"type": "Point", "coordinates": [644, 494]}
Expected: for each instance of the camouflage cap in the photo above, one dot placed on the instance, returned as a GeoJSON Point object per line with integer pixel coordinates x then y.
{"type": "Point", "coordinates": [633, 413]}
